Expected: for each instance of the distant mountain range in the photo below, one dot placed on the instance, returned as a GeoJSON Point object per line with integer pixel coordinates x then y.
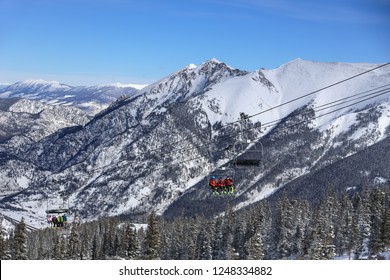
{"type": "Point", "coordinates": [155, 148]}
{"type": "Point", "coordinates": [91, 99]}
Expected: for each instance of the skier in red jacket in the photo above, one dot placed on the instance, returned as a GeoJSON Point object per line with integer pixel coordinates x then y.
{"type": "Point", "coordinates": [213, 184]}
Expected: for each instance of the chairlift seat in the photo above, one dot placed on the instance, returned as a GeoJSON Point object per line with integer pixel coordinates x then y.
{"type": "Point", "coordinates": [57, 211]}
{"type": "Point", "coordinates": [249, 156]}
{"type": "Point", "coordinates": [248, 162]}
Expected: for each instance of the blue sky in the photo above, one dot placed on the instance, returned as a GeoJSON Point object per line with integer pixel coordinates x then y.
{"type": "Point", "coordinates": [85, 42]}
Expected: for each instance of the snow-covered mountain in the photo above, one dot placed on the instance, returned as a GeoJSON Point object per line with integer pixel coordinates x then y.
{"type": "Point", "coordinates": [32, 120]}
{"type": "Point", "coordinates": [24, 122]}
{"type": "Point", "coordinates": [155, 148]}
{"type": "Point", "coordinates": [91, 99]}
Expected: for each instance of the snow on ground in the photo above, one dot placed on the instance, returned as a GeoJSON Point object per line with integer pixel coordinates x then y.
{"type": "Point", "coordinates": [23, 182]}
{"type": "Point", "coordinates": [384, 119]}
{"type": "Point", "coordinates": [136, 226]}
{"type": "Point", "coordinates": [383, 255]}
{"type": "Point", "coordinates": [222, 103]}
{"type": "Point", "coordinates": [316, 75]}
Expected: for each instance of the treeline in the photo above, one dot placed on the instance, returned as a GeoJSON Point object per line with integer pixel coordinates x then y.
{"type": "Point", "coordinates": [356, 226]}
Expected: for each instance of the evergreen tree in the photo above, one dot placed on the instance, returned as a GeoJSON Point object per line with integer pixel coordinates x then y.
{"type": "Point", "coordinates": [20, 241]}
{"type": "Point", "coordinates": [326, 216]}
{"type": "Point", "coordinates": [132, 247]}
{"type": "Point", "coordinates": [152, 238]}
{"type": "Point", "coordinates": [354, 240]}
{"type": "Point", "coordinates": [2, 244]}
{"type": "Point", "coordinates": [345, 232]}
{"type": "Point", "coordinates": [84, 246]}
{"type": "Point", "coordinates": [254, 247]}
{"type": "Point", "coordinates": [299, 221]}
{"type": "Point", "coordinates": [284, 228]}
{"type": "Point", "coordinates": [328, 247]}
{"type": "Point", "coordinates": [74, 248]}
{"type": "Point", "coordinates": [377, 243]}
{"type": "Point", "coordinates": [95, 248]}
{"type": "Point", "coordinates": [177, 240]}
{"type": "Point", "coordinates": [141, 237]}
{"type": "Point", "coordinates": [165, 240]}
{"type": "Point", "coordinates": [115, 249]}
{"type": "Point", "coordinates": [41, 252]}
{"type": "Point", "coordinates": [106, 246]}
{"type": "Point", "coordinates": [217, 241]}
{"type": "Point", "coordinates": [386, 222]}
{"type": "Point", "coordinates": [10, 245]}
{"type": "Point", "coordinates": [55, 250]}
{"type": "Point", "coordinates": [204, 250]}
{"type": "Point", "coordinates": [229, 220]}
{"type": "Point", "coordinates": [362, 218]}
{"type": "Point", "coordinates": [313, 245]}
{"type": "Point", "coordinates": [62, 255]}
{"type": "Point", "coordinates": [191, 232]}
{"type": "Point", "coordinates": [7, 252]}
{"type": "Point", "coordinates": [238, 241]}
{"type": "Point", "coordinates": [266, 228]}
{"type": "Point", "coordinates": [299, 246]}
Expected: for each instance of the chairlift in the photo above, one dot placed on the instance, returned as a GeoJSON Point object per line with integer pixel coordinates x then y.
{"type": "Point", "coordinates": [249, 154]}
{"type": "Point", "coordinates": [58, 207]}
{"type": "Point", "coordinates": [221, 181]}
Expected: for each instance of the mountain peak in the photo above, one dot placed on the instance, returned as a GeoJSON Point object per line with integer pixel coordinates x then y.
{"type": "Point", "coordinates": [214, 64]}
{"type": "Point", "coordinates": [39, 83]}
{"type": "Point", "coordinates": [191, 66]}
{"type": "Point", "coordinates": [213, 60]}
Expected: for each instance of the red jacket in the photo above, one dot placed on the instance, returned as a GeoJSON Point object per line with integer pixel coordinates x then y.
{"type": "Point", "coordinates": [212, 183]}
{"type": "Point", "coordinates": [228, 182]}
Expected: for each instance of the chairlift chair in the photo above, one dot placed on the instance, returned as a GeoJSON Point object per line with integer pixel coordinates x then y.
{"type": "Point", "coordinates": [222, 173]}
{"type": "Point", "coordinates": [249, 154]}
{"type": "Point", "coordinates": [56, 207]}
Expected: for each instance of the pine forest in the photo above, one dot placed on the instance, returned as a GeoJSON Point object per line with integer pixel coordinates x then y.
{"type": "Point", "coordinates": [355, 226]}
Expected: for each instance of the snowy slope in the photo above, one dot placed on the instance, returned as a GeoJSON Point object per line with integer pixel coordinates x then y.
{"type": "Point", "coordinates": [154, 149]}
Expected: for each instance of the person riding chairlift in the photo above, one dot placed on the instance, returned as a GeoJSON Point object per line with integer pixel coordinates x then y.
{"type": "Point", "coordinates": [213, 184]}
{"type": "Point", "coordinates": [229, 188]}
{"type": "Point", "coordinates": [221, 184]}
{"type": "Point", "coordinates": [54, 221]}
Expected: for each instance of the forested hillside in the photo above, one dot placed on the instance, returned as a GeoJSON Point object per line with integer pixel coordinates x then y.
{"type": "Point", "coordinates": [356, 226]}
